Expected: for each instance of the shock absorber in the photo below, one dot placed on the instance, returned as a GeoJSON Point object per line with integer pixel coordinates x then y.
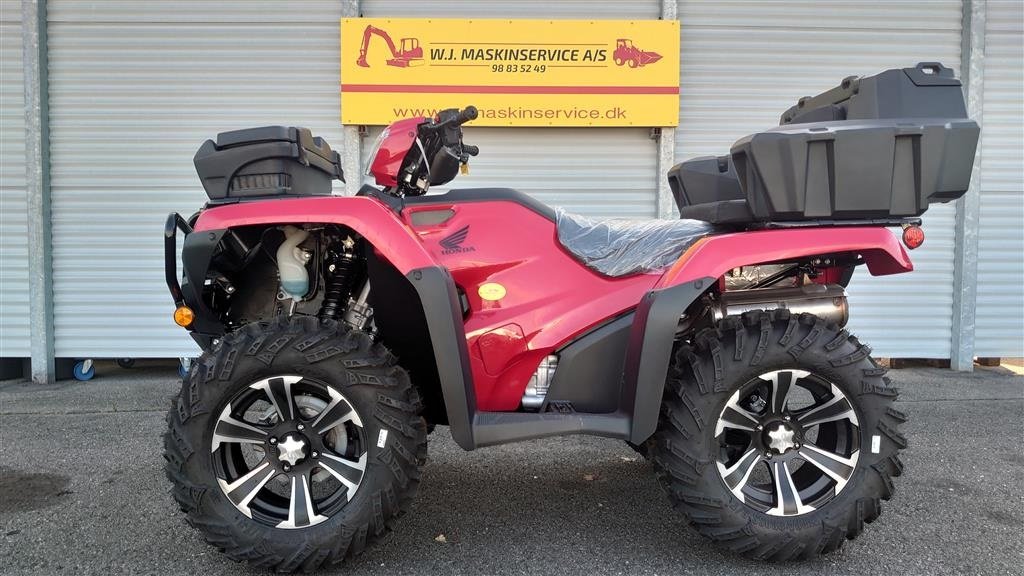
{"type": "Point", "coordinates": [338, 278]}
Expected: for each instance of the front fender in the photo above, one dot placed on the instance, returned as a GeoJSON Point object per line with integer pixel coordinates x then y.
{"type": "Point", "coordinates": [371, 219]}
{"type": "Point", "coordinates": [657, 316]}
{"type": "Point", "coordinates": [392, 240]}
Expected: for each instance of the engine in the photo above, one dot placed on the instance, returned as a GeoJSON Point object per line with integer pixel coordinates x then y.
{"type": "Point", "coordinates": [260, 273]}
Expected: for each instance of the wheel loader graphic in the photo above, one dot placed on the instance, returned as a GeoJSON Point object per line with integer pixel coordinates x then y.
{"type": "Point", "coordinates": [410, 53]}
{"type": "Point", "coordinates": [627, 53]}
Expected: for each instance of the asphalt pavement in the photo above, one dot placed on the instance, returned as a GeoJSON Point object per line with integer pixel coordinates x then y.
{"type": "Point", "coordinates": [82, 491]}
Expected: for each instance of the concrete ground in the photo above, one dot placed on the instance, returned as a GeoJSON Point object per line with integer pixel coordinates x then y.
{"type": "Point", "coordinates": [82, 492]}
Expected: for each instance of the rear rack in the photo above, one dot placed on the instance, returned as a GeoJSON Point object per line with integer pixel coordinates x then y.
{"type": "Point", "coordinates": [886, 222]}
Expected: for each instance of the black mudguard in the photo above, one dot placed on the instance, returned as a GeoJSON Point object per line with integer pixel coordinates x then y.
{"type": "Point", "coordinates": [650, 351]}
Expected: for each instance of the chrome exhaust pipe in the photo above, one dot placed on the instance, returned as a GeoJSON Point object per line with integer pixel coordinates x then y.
{"type": "Point", "coordinates": [826, 301]}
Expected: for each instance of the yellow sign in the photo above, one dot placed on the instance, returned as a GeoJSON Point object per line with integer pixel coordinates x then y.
{"type": "Point", "coordinates": [516, 72]}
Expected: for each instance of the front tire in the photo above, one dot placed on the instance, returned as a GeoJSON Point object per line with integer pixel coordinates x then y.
{"type": "Point", "coordinates": [778, 438]}
{"type": "Point", "coordinates": [295, 444]}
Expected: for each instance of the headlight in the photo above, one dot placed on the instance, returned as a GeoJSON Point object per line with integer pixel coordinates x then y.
{"type": "Point", "coordinates": [376, 148]}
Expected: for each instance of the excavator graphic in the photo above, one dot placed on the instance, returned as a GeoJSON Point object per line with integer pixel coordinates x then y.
{"type": "Point", "coordinates": [411, 54]}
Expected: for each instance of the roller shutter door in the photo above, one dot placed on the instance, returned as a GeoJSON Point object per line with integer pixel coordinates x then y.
{"type": "Point", "coordinates": [577, 9]}
{"type": "Point", "coordinates": [595, 171]}
{"type": "Point", "coordinates": [14, 296]}
{"type": "Point", "coordinates": [1000, 311]}
{"type": "Point", "coordinates": [135, 87]}
{"type": "Point", "coordinates": [744, 63]}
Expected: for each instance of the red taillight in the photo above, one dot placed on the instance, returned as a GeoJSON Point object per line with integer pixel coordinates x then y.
{"type": "Point", "coordinates": [913, 236]}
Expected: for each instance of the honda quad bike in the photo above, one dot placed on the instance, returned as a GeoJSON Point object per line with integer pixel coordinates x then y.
{"type": "Point", "coordinates": [338, 331]}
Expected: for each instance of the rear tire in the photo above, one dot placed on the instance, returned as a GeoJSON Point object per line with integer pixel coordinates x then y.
{"type": "Point", "coordinates": [708, 416]}
{"type": "Point", "coordinates": [389, 444]}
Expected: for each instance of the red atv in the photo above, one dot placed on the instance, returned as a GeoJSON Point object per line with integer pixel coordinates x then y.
{"type": "Point", "coordinates": [337, 332]}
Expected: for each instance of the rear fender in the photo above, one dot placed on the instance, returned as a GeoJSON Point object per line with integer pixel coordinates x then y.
{"type": "Point", "coordinates": [715, 255]}
{"type": "Point", "coordinates": [697, 270]}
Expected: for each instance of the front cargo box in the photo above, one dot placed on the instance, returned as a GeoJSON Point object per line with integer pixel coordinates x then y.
{"type": "Point", "coordinates": [264, 162]}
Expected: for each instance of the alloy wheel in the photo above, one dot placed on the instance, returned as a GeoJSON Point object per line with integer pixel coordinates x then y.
{"type": "Point", "coordinates": [289, 451]}
{"type": "Point", "coordinates": [788, 442]}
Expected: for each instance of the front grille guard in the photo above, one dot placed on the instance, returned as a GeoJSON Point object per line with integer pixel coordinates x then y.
{"type": "Point", "coordinates": [174, 223]}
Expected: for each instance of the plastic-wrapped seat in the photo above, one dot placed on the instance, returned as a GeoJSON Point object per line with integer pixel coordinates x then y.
{"type": "Point", "coordinates": [620, 247]}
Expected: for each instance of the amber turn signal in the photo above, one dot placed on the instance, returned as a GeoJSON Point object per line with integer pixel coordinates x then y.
{"type": "Point", "coordinates": [183, 316]}
{"type": "Point", "coordinates": [913, 236]}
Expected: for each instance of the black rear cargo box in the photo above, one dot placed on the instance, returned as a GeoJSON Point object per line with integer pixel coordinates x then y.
{"type": "Point", "coordinates": [704, 179]}
{"type": "Point", "coordinates": [266, 161]}
{"type": "Point", "coordinates": [856, 168]}
{"type": "Point", "coordinates": [928, 90]}
{"type": "Point", "coordinates": [883, 146]}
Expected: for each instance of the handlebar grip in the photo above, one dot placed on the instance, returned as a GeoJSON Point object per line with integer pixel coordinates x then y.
{"type": "Point", "coordinates": [467, 115]}
{"type": "Point", "coordinates": [470, 149]}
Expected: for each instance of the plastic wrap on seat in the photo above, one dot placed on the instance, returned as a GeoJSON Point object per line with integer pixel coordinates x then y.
{"type": "Point", "coordinates": [619, 246]}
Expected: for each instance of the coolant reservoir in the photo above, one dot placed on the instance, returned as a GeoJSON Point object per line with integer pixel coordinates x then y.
{"type": "Point", "coordinates": [291, 263]}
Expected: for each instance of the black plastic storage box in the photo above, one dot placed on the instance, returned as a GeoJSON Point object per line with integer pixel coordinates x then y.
{"type": "Point", "coordinates": [855, 169]}
{"type": "Point", "coordinates": [883, 146]}
{"type": "Point", "coordinates": [704, 179]}
{"type": "Point", "coordinates": [267, 161]}
{"type": "Point", "coordinates": [928, 90]}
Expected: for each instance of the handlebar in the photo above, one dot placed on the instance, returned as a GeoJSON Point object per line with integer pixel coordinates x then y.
{"type": "Point", "coordinates": [467, 115]}
{"type": "Point", "coordinates": [442, 149]}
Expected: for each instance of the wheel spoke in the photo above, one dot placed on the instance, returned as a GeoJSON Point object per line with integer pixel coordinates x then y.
{"type": "Point", "coordinates": [781, 384]}
{"type": "Point", "coordinates": [835, 466]}
{"type": "Point", "coordinates": [734, 416]}
{"type": "Point", "coordinates": [348, 472]}
{"type": "Point", "coordinates": [336, 413]}
{"type": "Point", "coordinates": [279, 390]}
{"type": "Point", "coordinates": [300, 506]}
{"type": "Point", "coordinates": [230, 429]}
{"type": "Point", "coordinates": [787, 499]}
{"type": "Point", "coordinates": [736, 476]}
{"type": "Point", "coordinates": [244, 489]}
{"type": "Point", "coordinates": [835, 408]}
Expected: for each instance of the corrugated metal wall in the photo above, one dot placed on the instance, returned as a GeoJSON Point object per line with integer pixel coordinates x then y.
{"type": "Point", "coordinates": [14, 318]}
{"type": "Point", "coordinates": [580, 9]}
{"type": "Point", "coordinates": [1000, 311]}
{"type": "Point", "coordinates": [601, 172]}
{"type": "Point", "coordinates": [135, 87]}
{"type": "Point", "coordinates": [744, 63]}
